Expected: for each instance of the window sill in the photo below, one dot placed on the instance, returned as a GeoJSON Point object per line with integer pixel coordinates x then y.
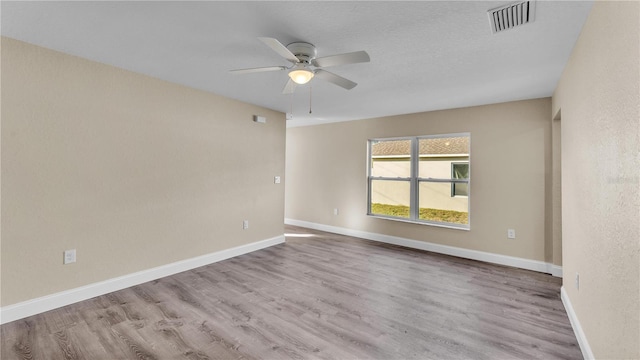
{"type": "Point", "coordinates": [442, 225]}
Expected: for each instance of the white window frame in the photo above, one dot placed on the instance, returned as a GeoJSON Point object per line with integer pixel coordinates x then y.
{"type": "Point", "coordinates": [414, 182]}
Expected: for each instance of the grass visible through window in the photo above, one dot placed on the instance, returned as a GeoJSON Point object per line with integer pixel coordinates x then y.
{"type": "Point", "coordinates": [448, 216]}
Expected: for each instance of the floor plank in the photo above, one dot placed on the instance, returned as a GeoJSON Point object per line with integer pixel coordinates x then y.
{"type": "Point", "coordinates": [318, 296]}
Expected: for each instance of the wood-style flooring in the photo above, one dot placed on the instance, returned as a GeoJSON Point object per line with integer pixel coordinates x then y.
{"type": "Point", "coordinates": [319, 296]}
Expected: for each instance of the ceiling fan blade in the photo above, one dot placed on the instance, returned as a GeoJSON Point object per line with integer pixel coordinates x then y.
{"type": "Point", "coordinates": [279, 48]}
{"type": "Point", "coordinates": [342, 59]}
{"type": "Point", "coordinates": [290, 87]}
{"type": "Point", "coordinates": [257, 70]}
{"type": "Point", "coordinates": [335, 79]}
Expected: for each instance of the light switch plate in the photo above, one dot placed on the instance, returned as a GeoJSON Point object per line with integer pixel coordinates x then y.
{"type": "Point", "coordinates": [69, 256]}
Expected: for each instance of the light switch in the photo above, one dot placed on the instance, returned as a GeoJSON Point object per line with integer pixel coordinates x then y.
{"type": "Point", "coordinates": [69, 256]}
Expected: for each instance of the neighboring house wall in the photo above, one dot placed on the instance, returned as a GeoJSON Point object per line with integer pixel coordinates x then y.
{"type": "Point", "coordinates": [438, 196]}
{"type": "Point", "coordinates": [599, 99]}
{"type": "Point", "coordinates": [435, 167]}
{"type": "Point", "coordinates": [131, 171]}
{"type": "Point", "coordinates": [432, 195]}
{"type": "Point", "coordinates": [516, 135]}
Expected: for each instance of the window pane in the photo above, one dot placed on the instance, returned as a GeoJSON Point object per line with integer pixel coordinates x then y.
{"type": "Point", "coordinates": [437, 204]}
{"type": "Point", "coordinates": [391, 198]}
{"type": "Point", "coordinates": [460, 171]}
{"type": "Point", "coordinates": [391, 158]}
{"type": "Point", "coordinates": [437, 155]}
{"type": "Point", "coordinates": [460, 189]}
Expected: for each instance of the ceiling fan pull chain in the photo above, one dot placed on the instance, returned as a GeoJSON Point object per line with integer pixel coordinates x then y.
{"type": "Point", "coordinates": [310, 87]}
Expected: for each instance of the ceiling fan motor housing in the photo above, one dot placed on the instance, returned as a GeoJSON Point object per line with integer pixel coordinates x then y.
{"type": "Point", "coordinates": [305, 52]}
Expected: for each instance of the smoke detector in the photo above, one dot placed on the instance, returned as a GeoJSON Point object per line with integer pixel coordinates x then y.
{"type": "Point", "coordinates": [513, 15]}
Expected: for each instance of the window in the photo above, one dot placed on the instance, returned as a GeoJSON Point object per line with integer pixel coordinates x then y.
{"type": "Point", "coordinates": [460, 171]}
{"type": "Point", "coordinates": [422, 179]}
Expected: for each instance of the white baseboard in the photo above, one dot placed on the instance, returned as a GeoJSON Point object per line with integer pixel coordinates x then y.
{"type": "Point", "coordinates": [575, 324]}
{"type": "Point", "coordinates": [554, 270]}
{"type": "Point", "coordinates": [522, 263]}
{"type": "Point", "coordinates": [54, 301]}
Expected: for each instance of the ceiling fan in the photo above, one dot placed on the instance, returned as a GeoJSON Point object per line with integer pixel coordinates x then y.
{"type": "Point", "coordinates": [305, 64]}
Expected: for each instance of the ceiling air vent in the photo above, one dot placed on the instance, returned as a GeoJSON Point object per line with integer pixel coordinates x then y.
{"type": "Point", "coordinates": [509, 16]}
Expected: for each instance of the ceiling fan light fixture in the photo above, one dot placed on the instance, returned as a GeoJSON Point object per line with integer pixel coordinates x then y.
{"type": "Point", "coordinates": [301, 75]}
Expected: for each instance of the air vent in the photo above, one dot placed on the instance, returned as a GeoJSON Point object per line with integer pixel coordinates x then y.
{"type": "Point", "coordinates": [510, 16]}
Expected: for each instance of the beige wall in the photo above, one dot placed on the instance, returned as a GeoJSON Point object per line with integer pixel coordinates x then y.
{"type": "Point", "coordinates": [131, 171]}
{"type": "Point", "coordinates": [510, 160]}
{"type": "Point", "coordinates": [599, 98]}
{"type": "Point", "coordinates": [555, 213]}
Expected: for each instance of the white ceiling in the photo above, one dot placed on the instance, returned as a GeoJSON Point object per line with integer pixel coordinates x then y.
{"type": "Point", "coordinates": [425, 55]}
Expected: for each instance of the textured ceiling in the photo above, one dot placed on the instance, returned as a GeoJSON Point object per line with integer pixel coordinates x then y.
{"type": "Point", "coordinates": [425, 55]}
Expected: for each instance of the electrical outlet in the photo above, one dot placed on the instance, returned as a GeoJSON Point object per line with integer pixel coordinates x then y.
{"type": "Point", "coordinates": [245, 224]}
{"type": "Point", "coordinates": [335, 211]}
{"type": "Point", "coordinates": [69, 256]}
{"type": "Point", "coordinates": [577, 281]}
{"type": "Point", "coordinates": [511, 233]}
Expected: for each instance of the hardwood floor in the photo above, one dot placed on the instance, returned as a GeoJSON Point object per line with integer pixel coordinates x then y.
{"type": "Point", "coordinates": [319, 296]}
